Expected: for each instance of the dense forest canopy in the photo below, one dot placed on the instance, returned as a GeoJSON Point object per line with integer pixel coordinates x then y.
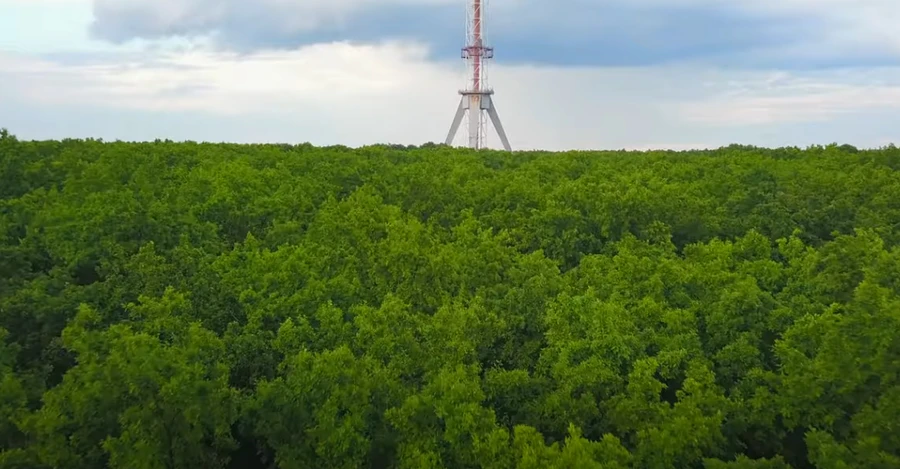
{"type": "Point", "coordinates": [185, 305]}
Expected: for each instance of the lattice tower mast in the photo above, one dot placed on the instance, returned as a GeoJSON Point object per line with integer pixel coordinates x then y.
{"type": "Point", "coordinates": [476, 99]}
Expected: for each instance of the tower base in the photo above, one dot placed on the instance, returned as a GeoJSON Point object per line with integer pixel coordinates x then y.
{"type": "Point", "coordinates": [483, 101]}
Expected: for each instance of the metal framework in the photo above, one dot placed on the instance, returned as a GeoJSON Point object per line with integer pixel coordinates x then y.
{"type": "Point", "coordinates": [477, 97]}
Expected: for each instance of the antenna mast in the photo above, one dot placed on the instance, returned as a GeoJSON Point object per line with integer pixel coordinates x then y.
{"type": "Point", "coordinates": [476, 99]}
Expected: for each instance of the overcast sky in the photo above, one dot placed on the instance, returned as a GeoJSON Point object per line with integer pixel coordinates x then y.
{"type": "Point", "coordinates": [568, 74]}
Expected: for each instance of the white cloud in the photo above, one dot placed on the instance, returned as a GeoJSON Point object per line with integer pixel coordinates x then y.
{"type": "Point", "coordinates": [813, 105]}
{"type": "Point", "coordinates": [812, 97]}
{"type": "Point", "coordinates": [227, 83]}
{"type": "Point", "coordinates": [356, 95]}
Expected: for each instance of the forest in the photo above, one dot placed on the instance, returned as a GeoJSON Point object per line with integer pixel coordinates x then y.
{"type": "Point", "coordinates": [185, 305]}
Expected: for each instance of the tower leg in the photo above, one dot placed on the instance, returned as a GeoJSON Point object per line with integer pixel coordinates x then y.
{"type": "Point", "coordinates": [495, 119]}
{"type": "Point", "coordinates": [454, 127]}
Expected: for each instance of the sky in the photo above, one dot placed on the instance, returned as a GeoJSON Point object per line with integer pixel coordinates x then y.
{"type": "Point", "coordinates": [567, 74]}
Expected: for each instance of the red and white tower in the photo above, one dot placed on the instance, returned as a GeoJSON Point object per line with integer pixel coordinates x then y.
{"type": "Point", "coordinates": [477, 98]}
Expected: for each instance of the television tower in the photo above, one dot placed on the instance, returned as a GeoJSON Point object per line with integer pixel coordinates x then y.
{"type": "Point", "coordinates": [477, 98]}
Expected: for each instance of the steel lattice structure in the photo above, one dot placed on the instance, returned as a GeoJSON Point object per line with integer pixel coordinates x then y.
{"type": "Point", "coordinates": [477, 97]}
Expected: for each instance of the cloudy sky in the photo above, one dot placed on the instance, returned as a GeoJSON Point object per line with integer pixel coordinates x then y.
{"type": "Point", "coordinates": [568, 74]}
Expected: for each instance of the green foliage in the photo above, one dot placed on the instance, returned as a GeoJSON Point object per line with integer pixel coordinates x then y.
{"type": "Point", "coordinates": [169, 305]}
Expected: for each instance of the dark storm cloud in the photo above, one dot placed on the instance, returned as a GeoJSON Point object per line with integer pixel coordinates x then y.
{"type": "Point", "coordinates": [562, 32]}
